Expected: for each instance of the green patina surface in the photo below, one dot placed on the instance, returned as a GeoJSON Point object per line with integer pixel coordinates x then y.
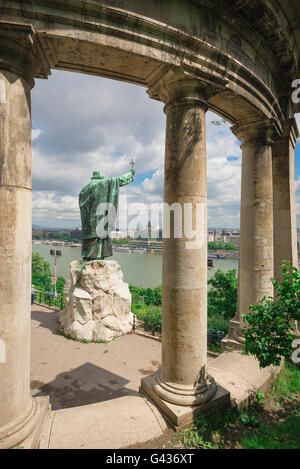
{"type": "Point", "coordinates": [98, 203]}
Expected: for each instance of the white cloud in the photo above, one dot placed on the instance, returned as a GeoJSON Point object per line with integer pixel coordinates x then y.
{"type": "Point", "coordinates": [82, 123]}
{"type": "Point", "coordinates": [35, 133]}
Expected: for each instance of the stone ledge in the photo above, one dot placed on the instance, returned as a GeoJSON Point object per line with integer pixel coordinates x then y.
{"type": "Point", "coordinates": [242, 376]}
{"type": "Point", "coordinates": [110, 424]}
{"type": "Point", "coordinates": [227, 344]}
{"type": "Point", "coordinates": [238, 376]}
{"type": "Point", "coordinates": [180, 417]}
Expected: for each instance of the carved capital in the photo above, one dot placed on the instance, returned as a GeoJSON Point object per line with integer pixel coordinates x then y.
{"type": "Point", "coordinates": [21, 52]}
{"type": "Point", "coordinates": [259, 132]}
{"type": "Point", "coordinates": [290, 131]}
{"type": "Point", "coordinates": [177, 86]}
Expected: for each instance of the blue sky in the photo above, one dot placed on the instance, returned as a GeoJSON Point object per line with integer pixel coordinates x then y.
{"type": "Point", "coordinates": [82, 123]}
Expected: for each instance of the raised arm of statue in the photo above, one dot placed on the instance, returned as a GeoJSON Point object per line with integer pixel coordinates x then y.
{"type": "Point", "coordinates": [126, 178]}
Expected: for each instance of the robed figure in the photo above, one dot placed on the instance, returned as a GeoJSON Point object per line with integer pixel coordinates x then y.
{"type": "Point", "coordinates": [98, 203]}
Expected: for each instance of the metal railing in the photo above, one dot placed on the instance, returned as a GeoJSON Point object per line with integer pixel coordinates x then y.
{"type": "Point", "coordinates": [214, 337]}
{"type": "Point", "coordinates": [49, 299]}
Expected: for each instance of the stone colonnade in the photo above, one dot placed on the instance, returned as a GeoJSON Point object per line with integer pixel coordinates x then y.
{"type": "Point", "coordinates": [182, 382]}
{"type": "Point", "coordinates": [20, 415]}
{"type": "Point", "coordinates": [267, 236]}
{"type": "Point", "coordinates": [268, 231]}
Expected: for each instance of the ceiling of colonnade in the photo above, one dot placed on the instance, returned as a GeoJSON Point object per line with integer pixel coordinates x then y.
{"type": "Point", "coordinates": [249, 49]}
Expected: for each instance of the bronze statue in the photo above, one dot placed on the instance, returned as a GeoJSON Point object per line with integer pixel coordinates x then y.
{"type": "Point", "coordinates": [98, 203]}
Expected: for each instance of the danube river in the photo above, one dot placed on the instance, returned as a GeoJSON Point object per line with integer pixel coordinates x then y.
{"type": "Point", "coordinates": [143, 270]}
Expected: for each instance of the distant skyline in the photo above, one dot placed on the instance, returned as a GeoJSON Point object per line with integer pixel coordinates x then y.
{"type": "Point", "coordinates": [121, 229]}
{"type": "Point", "coordinates": [82, 123]}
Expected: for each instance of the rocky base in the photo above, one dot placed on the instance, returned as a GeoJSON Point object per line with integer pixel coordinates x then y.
{"type": "Point", "coordinates": [99, 302]}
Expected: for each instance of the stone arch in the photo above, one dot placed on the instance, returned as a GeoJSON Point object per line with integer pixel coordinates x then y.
{"type": "Point", "coordinates": [237, 58]}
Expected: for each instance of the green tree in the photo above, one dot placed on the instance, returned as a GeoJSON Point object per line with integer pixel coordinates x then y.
{"type": "Point", "coordinates": [64, 236]}
{"type": "Point", "coordinates": [214, 246]}
{"type": "Point", "coordinates": [60, 285]}
{"type": "Point", "coordinates": [39, 265]}
{"type": "Point", "coordinates": [269, 334]}
{"type": "Point", "coordinates": [157, 295]}
{"type": "Point", "coordinates": [149, 297]}
{"type": "Point", "coordinates": [42, 281]}
{"type": "Point", "coordinates": [41, 273]}
{"type": "Point", "coordinates": [222, 297]}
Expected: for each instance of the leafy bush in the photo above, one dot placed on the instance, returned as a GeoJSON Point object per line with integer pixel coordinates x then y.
{"type": "Point", "coordinates": [269, 334]}
{"type": "Point", "coordinates": [151, 315]}
{"type": "Point", "coordinates": [218, 323]}
{"type": "Point", "coordinates": [148, 296]}
{"type": "Point", "coordinates": [153, 319]}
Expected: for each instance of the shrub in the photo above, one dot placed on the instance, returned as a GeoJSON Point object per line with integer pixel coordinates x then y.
{"type": "Point", "coordinates": [153, 319]}
{"type": "Point", "coordinates": [269, 334]}
{"type": "Point", "coordinates": [218, 323]}
{"type": "Point", "coordinates": [148, 296]}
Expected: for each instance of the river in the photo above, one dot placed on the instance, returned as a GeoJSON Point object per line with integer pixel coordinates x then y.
{"type": "Point", "coordinates": [143, 270]}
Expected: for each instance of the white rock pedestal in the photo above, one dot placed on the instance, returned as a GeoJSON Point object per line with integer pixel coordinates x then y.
{"type": "Point", "coordinates": [99, 302]}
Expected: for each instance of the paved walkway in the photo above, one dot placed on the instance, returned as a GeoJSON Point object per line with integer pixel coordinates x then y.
{"type": "Point", "coordinates": [93, 388]}
{"type": "Point", "coordinates": [75, 374]}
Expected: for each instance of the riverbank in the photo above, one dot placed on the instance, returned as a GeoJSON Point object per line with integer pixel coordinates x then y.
{"type": "Point", "coordinates": [141, 247]}
{"type": "Point", "coordinates": [140, 269]}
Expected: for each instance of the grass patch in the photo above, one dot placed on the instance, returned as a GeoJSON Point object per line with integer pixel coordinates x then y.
{"type": "Point", "coordinates": [287, 385]}
{"type": "Point", "coordinates": [276, 436]}
{"type": "Point", "coordinates": [271, 422]}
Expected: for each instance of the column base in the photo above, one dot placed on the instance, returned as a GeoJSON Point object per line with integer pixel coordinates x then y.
{"type": "Point", "coordinates": [234, 340]}
{"type": "Point", "coordinates": [181, 416]}
{"type": "Point", "coordinates": [26, 433]}
{"type": "Point", "coordinates": [184, 395]}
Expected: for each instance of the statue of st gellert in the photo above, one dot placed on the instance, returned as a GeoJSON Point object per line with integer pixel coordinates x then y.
{"type": "Point", "coordinates": [98, 203]}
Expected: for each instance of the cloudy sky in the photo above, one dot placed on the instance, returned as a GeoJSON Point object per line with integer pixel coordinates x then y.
{"type": "Point", "coordinates": [82, 123]}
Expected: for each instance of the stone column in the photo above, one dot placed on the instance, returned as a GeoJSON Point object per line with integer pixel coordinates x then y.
{"type": "Point", "coordinates": [284, 210]}
{"type": "Point", "coordinates": [19, 413]}
{"type": "Point", "coordinates": [256, 255]}
{"type": "Point", "coordinates": [285, 227]}
{"type": "Point", "coordinates": [182, 379]}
